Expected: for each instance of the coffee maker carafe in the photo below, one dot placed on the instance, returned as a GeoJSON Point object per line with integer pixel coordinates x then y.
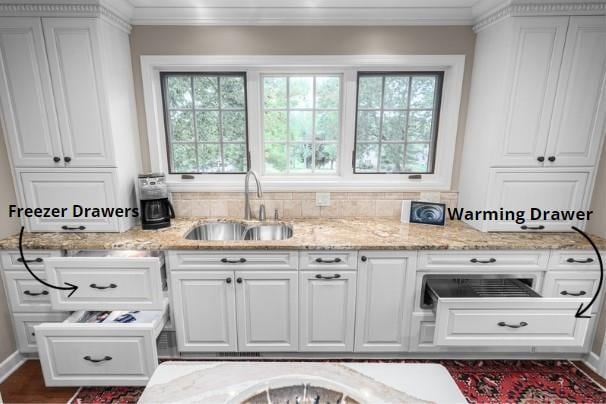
{"type": "Point", "coordinates": [156, 209]}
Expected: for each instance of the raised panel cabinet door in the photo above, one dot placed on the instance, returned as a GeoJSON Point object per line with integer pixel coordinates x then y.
{"type": "Point", "coordinates": [327, 311]}
{"type": "Point", "coordinates": [381, 308]}
{"type": "Point", "coordinates": [26, 95]}
{"type": "Point", "coordinates": [73, 49]}
{"type": "Point", "coordinates": [537, 52]}
{"type": "Point", "coordinates": [544, 189]}
{"type": "Point", "coordinates": [579, 117]}
{"type": "Point", "coordinates": [204, 307]}
{"type": "Point", "coordinates": [267, 307]}
{"type": "Point", "coordinates": [63, 189]}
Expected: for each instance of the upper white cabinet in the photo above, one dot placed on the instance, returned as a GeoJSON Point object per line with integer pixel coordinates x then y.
{"type": "Point", "coordinates": [538, 46]}
{"type": "Point", "coordinates": [536, 108]}
{"type": "Point", "coordinates": [27, 102]}
{"type": "Point", "coordinates": [73, 48]}
{"type": "Point", "coordinates": [577, 125]}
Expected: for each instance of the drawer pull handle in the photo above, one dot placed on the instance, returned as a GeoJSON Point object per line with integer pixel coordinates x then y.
{"type": "Point", "coordinates": [110, 286]}
{"type": "Point", "coordinates": [567, 293]}
{"type": "Point", "coordinates": [335, 276]}
{"type": "Point", "coordinates": [539, 227]}
{"type": "Point", "coordinates": [73, 227]}
{"type": "Point", "coordinates": [332, 261]}
{"type": "Point", "coordinates": [228, 261]}
{"type": "Point", "coordinates": [29, 261]}
{"type": "Point", "coordinates": [488, 261]}
{"type": "Point", "coordinates": [106, 358]}
{"type": "Point", "coordinates": [504, 324]}
{"type": "Point", "coordinates": [573, 261]}
{"type": "Point", "coordinates": [44, 292]}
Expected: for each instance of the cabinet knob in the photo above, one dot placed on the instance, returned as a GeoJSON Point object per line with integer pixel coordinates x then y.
{"type": "Point", "coordinates": [228, 280]}
{"type": "Point", "coordinates": [364, 258]}
{"type": "Point", "coordinates": [56, 159]}
{"type": "Point", "coordinates": [239, 280]}
{"type": "Point", "coordinates": [67, 159]}
{"type": "Point", "coordinates": [540, 159]}
{"type": "Point", "coordinates": [551, 158]}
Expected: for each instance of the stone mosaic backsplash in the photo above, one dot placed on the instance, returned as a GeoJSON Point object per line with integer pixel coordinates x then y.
{"type": "Point", "coordinates": [292, 205]}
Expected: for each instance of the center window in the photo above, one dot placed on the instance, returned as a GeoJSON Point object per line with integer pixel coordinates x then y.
{"type": "Point", "coordinates": [301, 123]}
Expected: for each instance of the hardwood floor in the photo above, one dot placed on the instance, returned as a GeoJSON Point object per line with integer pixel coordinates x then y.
{"type": "Point", "coordinates": [596, 378]}
{"type": "Point", "coordinates": [26, 385]}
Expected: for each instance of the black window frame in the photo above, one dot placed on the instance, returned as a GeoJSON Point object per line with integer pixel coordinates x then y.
{"type": "Point", "coordinates": [439, 74]}
{"type": "Point", "coordinates": [165, 112]}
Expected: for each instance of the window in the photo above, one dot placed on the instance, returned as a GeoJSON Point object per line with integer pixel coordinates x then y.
{"type": "Point", "coordinates": [205, 118]}
{"type": "Point", "coordinates": [397, 121]}
{"type": "Point", "coordinates": [301, 122]}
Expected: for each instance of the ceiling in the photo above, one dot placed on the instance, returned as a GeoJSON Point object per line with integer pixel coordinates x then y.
{"type": "Point", "coordinates": [307, 12]}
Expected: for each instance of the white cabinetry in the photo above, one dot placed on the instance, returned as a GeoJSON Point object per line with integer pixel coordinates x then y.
{"type": "Point", "coordinates": [384, 301]}
{"type": "Point", "coordinates": [327, 311]}
{"type": "Point", "coordinates": [204, 307]}
{"type": "Point", "coordinates": [266, 306]}
{"type": "Point", "coordinates": [536, 118]}
{"type": "Point", "coordinates": [67, 103]}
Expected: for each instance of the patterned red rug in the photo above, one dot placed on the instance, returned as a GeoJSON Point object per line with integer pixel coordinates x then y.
{"type": "Point", "coordinates": [488, 381]}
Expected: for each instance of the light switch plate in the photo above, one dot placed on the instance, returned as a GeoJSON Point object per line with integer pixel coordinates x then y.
{"type": "Point", "coordinates": [322, 198]}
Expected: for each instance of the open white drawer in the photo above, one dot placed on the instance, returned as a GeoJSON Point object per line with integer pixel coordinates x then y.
{"type": "Point", "coordinates": [514, 318]}
{"type": "Point", "coordinates": [106, 281]}
{"type": "Point", "coordinates": [77, 353]}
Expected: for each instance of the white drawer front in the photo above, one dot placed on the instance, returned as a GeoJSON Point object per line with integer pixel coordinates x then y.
{"type": "Point", "coordinates": [25, 294]}
{"type": "Point", "coordinates": [11, 260]}
{"type": "Point", "coordinates": [510, 322]}
{"type": "Point", "coordinates": [575, 260]}
{"type": "Point", "coordinates": [501, 260]}
{"type": "Point", "coordinates": [236, 260]}
{"type": "Point", "coordinates": [573, 284]}
{"type": "Point", "coordinates": [106, 283]}
{"type": "Point", "coordinates": [331, 260]}
{"type": "Point", "coordinates": [65, 188]}
{"type": "Point", "coordinates": [68, 360]}
{"type": "Point", "coordinates": [24, 328]}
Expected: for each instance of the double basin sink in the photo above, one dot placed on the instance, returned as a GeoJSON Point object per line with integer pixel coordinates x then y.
{"type": "Point", "coordinates": [226, 231]}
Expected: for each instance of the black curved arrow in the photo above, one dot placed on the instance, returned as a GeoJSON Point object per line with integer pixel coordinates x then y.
{"type": "Point", "coordinates": [70, 286]}
{"type": "Point", "coordinates": [581, 310]}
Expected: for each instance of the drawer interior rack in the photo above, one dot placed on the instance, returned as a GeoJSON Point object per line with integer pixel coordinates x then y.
{"type": "Point", "coordinates": [474, 287]}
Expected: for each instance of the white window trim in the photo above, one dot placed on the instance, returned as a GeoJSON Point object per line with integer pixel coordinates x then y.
{"type": "Point", "coordinates": [348, 65]}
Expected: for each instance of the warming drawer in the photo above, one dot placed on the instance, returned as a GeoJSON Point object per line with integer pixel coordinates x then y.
{"type": "Point", "coordinates": [501, 311]}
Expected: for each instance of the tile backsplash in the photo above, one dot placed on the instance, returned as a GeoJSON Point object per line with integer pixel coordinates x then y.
{"type": "Point", "coordinates": [300, 204]}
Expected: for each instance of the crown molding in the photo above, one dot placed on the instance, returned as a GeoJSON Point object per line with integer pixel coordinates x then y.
{"type": "Point", "coordinates": [94, 10]}
{"type": "Point", "coordinates": [539, 9]}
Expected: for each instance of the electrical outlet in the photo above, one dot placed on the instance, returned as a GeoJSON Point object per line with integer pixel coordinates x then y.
{"type": "Point", "coordinates": [322, 198]}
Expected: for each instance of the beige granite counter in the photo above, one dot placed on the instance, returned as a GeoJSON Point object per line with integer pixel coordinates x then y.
{"type": "Point", "coordinates": [346, 234]}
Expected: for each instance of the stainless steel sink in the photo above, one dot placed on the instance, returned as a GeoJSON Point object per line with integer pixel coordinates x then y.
{"type": "Point", "coordinates": [273, 231]}
{"type": "Point", "coordinates": [218, 231]}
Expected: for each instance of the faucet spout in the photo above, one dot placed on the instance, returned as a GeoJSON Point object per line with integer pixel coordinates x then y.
{"type": "Point", "coordinates": [247, 210]}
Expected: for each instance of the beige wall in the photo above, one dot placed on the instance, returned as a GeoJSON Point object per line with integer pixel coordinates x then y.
{"type": "Point", "coordinates": [7, 227]}
{"type": "Point", "coordinates": [195, 40]}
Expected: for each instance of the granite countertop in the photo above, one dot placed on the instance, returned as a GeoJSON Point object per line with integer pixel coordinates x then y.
{"type": "Point", "coordinates": [322, 234]}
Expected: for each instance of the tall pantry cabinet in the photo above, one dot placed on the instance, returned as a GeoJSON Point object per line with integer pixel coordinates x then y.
{"type": "Point", "coordinates": [536, 118]}
{"type": "Point", "coordinates": [68, 117]}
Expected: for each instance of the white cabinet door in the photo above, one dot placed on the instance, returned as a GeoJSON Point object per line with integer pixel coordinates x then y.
{"type": "Point", "coordinates": [545, 189]}
{"type": "Point", "coordinates": [204, 307]}
{"type": "Point", "coordinates": [26, 96]}
{"type": "Point", "coordinates": [579, 116]}
{"type": "Point", "coordinates": [72, 45]}
{"type": "Point", "coordinates": [327, 311]}
{"type": "Point", "coordinates": [382, 316]}
{"type": "Point", "coordinates": [267, 307]}
{"type": "Point", "coordinates": [537, 52]}
{"type": "Point", "coordinates": [62, 189]}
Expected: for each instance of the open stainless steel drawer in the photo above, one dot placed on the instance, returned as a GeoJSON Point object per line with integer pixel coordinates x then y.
{"type": "Point", "coordinates": [501, 311]}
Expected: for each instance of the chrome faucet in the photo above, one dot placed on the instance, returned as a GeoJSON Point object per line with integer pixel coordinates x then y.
{"type": "Point", "coordinates": [247, 210]}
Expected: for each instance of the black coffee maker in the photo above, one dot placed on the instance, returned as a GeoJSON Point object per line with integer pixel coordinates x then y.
{"type": "Point", "coordinates": [156, 209]}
